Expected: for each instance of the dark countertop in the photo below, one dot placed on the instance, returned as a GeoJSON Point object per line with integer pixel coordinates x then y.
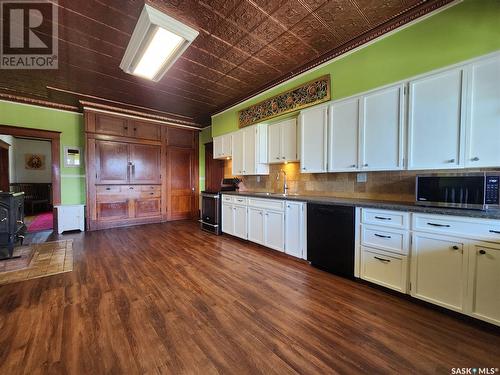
{"type": "Point", "coordinates": [369, 203]}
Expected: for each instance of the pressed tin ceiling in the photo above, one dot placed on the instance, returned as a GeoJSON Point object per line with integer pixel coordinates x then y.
{"type": "Point", "coordinates": [244, 47]}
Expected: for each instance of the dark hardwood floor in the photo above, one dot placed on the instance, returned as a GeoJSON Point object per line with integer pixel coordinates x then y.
{"type": "Point", "coordinates": [168, 298]}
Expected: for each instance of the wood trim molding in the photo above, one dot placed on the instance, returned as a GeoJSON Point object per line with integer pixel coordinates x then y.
{"type": "Point", "coordinates": [398, 21]}
{"type": "Point", "coordinates": [37, 102]}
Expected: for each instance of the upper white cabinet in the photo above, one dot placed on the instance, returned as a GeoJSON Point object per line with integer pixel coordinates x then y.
{"type": "Point", "coordinates": [313, 125]}
{"type": "Point", "coordinates": [436, 121]}
{"type": "Point", "coordinates": [382, 129]}
{"type": "Point", "coordinates": [223, 146]}
{"type": "Point", "coordinates": [282, 141]}
{"type": "Point", "coordinates": [343, 136]}
{"type": "Point", "coordinates": [249, 149]}
{"type": "Point", "coordinates": [483, 133]}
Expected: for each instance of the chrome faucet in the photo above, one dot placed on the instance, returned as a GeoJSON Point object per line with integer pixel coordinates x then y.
{"type": "Point", "coordinates": [285, 186]}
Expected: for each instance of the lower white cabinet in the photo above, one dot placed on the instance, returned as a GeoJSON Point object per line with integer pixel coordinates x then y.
{"type": "Point", "coordinates": [240, 221]}
{"type": "Point", "coordinates": [227, 218]}
{"type": "Point", "coordinates": [295, 229]}
{"type": "Point", "coordinates": [256, 225]}
{"type": "Point", "coordinates": [438, 270]}
{"type": "Point", "coordinates": [274, 230]}
{"type": "Point", "coordinates": [384, 268]}
{"type": "Point", "coordinates": [484, 281]}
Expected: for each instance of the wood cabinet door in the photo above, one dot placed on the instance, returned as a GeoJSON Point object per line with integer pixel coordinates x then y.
{"type": "Point", "coordinates": [182, 186]}
{"type": "Point", "coordinates": [113, 210]}
{"type": "Point", "coordinates": [145, 167]}
{"type": "Point", "coordinates": [145, 130]}
{"type": "Point", "coordinates": [147, 207]}
{"type": "Point", "coordinates": [343, 136]}
{"type": "Point", "coordinates": [435, 121]}
{"type": "Point", "coordinates": [484, 279]}
{"type": "Point", "coordinates": [180, 137]}
{"type": "Point", "coordinates": [112, 125]}
{"type": "Point", "coordinates": [112, 162]}
{"type": "Point", "coordinates": [381, 143]}
{"type": "Point", "coordinates": [484, 121]}
{"type": "Point", "coordinates": [439, 270]}
{"type": "Point", "coordinates": [313, 140]}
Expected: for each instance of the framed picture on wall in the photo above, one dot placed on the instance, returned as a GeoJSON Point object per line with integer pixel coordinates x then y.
{"type": "Point", "coordinates": [34, 161]}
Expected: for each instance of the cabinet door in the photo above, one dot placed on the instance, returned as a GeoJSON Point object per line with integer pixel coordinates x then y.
{"type": "Point", "coordinates": [274, 143]}
{"type": "Point", "coordinates": [313, 140]}
{"type": "Point", "coordinates": [181, 180]}
{"type": "Point", "coordinates": [147, 207]}
{"type": "Point", "coordinates": [289, 140]}
{"type": "Point", "coordinates": [249, 152]}
{"type": "Point", "coordinates": [274, 234]}
{"type": "Point", "coordinates": [112, 162]}
{"type": "Point", "coordinates": [484, 115]}
{"type": "Point", "coordinates": [227, 140]}
{"type": "Point", "coordinates": [240, 221]}
{"type": "Point", "coordinates": [435, 121]}
{"type": "Point", "coordinates": [439, 270]}
{"type": "Point", "coordinates": [484, 280]}
{"type": "Point", "coordinates": [145, 130]}
{"type": "Point", "coordinates": [256, 225]}
{"type": "Point", "coordinates": [237, 147]}
{"type": "Point", "coordinates": [343, 136]}
{"type": "Point", "coordinates": [218, 147]}
{"type": "Point", "coordinates": [294, 229]}
{"type": "Point", "coordinates": [228, 218]}
{"type": "Point", "coordinates": [111, 210]}
{"type": "Point", "coordinates": [382, 129]}
{"type": "Point", "coordinates": [112, 125]}
{"type": "Point", "coordinates": [145, 168]}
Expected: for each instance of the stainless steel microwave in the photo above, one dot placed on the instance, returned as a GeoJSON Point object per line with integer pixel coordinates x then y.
{"type": "Point", "coordinates": [478, 191]}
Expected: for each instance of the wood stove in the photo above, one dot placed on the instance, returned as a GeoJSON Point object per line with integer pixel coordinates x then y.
{"type": "Point", "coordinates": [12, 227]}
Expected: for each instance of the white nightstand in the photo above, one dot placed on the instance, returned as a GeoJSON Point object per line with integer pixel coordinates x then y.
{"type": "Point", "coordinates": [70, 217]}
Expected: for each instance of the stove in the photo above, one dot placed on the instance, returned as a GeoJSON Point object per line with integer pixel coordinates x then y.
{"type": "Point", "coordinates": [211, 206]}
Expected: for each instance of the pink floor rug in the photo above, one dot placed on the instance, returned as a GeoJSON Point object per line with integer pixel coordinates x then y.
{"type": "Point", "coordinates": [41, 222]}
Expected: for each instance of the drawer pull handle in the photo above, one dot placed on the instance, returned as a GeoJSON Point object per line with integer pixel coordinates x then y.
{"type": "Point", "coordinates": [108, 188]}
{"type": "Point", "coordinates": [381, 236]}
{"type": "Point", "coordinates": [455, 247]}
{"type": "Point", "coordinates": [482, 252]}
{"type": "Point", "coordinates": [495, 231]}
{"type": "Point", "coordinates": [439, 225]}
{"type": "Point", "coordinates": [383, 260]}
{"type": "Point", "coordinates": [382, 218]}
{"type": "Point", "coordinates": [151, 193]}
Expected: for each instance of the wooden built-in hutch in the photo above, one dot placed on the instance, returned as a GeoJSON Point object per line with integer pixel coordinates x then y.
{"type": "Point", "coordinates": [138, 171]}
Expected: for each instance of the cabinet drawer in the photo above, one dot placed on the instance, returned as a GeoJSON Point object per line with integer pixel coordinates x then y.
{"type": "Point", "coordinates": [385, 269]}
{"type": "Point", "coordinates": [149, 194]}
{"type": "Point", "coordinates": [150, 188]}
{"type": "Point", "coordinates": [103, 189]}
{"type": "Point", "coordinates": [267, 204]}
{"type": "Point", "coordinates": [227, 198]}
{"type": "Point", "coordinates": [240, 200]}
{"type": "Point", "coordinates": [386, 239]}
{"type": "Point", "coordinates": [456, 225]}
{"type": "Point", "coordinates": [394, 219]}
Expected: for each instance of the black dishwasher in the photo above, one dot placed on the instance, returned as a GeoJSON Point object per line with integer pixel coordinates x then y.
{"type": "Point", "coordinates": [330, 238]}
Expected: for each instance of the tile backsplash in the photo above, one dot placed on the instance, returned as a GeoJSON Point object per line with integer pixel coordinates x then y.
{"type": "Point", "coordinates": [393, 186]}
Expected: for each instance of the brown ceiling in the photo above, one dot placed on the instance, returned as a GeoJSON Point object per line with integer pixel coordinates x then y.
{"type": "Point", "coordinates": [243, 48]}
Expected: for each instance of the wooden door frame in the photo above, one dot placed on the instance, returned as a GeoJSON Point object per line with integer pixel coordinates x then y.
{"type": "Point", "coordinates": [54, 137]}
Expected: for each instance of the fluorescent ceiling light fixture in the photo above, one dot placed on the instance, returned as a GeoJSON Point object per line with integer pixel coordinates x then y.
{"type": "Point", "coordinates": [157, 42]}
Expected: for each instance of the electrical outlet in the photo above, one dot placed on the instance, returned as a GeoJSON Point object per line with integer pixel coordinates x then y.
{"type": "Point", "coordinates": [361, 177]}
{"type": "Point", "coordinates": [258, 178]}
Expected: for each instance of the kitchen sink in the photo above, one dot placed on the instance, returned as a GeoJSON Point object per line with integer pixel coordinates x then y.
{"type": "Point", "coordinates": [276, 194]}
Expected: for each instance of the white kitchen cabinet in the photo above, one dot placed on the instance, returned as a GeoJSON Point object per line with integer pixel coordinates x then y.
{"type": "Point", "coordinates": [274, 235]}
{"type": "Point", "coordinates": [283, 141]}
{"type": "Point", "coordinates": [249, 151]}
{"type": "Point", "coordinates": [228, 218]}
{"type": "Point", "coordinates": [240, 221]}
{"type": "Point", "coordinates": [436, 114]}
{"type": "Point", "coordinates": [223, 146]}
{"type": "Point", "coordinates": [381, 130]}
{"type": "Point", "coordinates": [343, 136]}
{"type": "Point", "coordinates": [313, 125]}
{"type": "Point", "coordinates": [439, 270]}
{"type": "Point", "coordinates": [256, 225]}
{"type": "Point", "coordinates": [484, 281]}
{"type": "Point", "coordinates": [483, 132]}
{"type": "Point", "coordinates": [386, 269]}
{"type": "Point", "coordinates": [70, 217]}
{"type": "Point", "coordinates": [295, 229]}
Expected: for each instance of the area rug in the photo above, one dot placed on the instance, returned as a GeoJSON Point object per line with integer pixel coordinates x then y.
{"type": "Point", "coordinates": [38, 260]}
{"type": "Point", "coordinates": [43, 221]}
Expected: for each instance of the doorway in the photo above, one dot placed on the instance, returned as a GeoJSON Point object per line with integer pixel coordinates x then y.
{"type": "Point", "coordinates": [41, 193]}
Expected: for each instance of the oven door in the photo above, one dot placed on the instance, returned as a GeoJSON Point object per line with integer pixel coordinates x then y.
{"type": "Point", "coordinates": [210, 212]}
{"type": "Point", "coordinates": [459, 191]}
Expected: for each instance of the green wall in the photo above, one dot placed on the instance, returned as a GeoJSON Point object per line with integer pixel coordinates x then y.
{"type": "Point", "coordinates": [205, 137]}
{"type": "Point", "coordinates": [464, 31]}
{"type": "Point", "coordinates": [71, 127]}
